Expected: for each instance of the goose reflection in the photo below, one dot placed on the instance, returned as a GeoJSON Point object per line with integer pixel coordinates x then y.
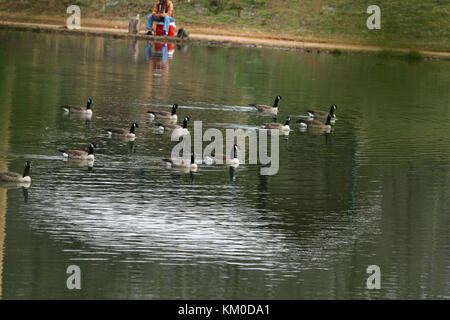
{"type": "Point", "coordinates": [24, 186]}
{"type": "Point", "coordinates": [328, 137]}
{"type": "Point", "coordinates": [132, 146]}
{"type": "Point", "coordinates": [25, 194]}
{"type": "Point", "coordinates": [232, 174]}
{"type": "Point", "coordinates": [79, 116]}
{"type": "Point", "coordinates": [14, 185]}
{"type": "Point", "coordinates": [78, 163]}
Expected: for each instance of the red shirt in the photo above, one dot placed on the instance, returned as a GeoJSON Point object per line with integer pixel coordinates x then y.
{"type": "Point", "coordinates": [165, 7]}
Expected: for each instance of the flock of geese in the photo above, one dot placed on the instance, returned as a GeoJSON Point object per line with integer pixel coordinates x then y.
{"type": "Point", "coordinates": [317, 120]}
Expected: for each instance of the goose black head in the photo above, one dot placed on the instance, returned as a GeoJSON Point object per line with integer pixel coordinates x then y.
{"type": "Point", "coordinates": [235, 150]}
{"type": "Point", "coordinates": [26, 171]}
{"type": "Point", "coordinates": [333, 108]}
{"type": "Point", "coordinates": [92, 145]}
{"type": "Point", "coordinates": [185, 121]}
{"type": "Point", "coordinates": [133, 126]}
{"type": "Point", "coordinates": [174, 109]}
{"type": "Point", "coordinates": [275, 104]}
{"type": "Point", "coordinates": [288, 120]}
{"type": "Point", "coordinates": [89, 102]}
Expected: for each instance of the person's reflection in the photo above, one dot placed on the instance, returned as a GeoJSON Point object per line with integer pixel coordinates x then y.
{"type": "Point", "coordinates": [162, 53]}
{"type": "Point", "coordinates": [159, 56]}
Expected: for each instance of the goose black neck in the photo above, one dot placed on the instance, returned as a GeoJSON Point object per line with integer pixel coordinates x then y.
{"type": "Point", "coordinates": [328, 120]}
{"type": "Point", "coordinates": [132, 128]}
{"type": "Point", "coordinates": [88, 106]}
{"type": "Point", "coordinates": [192, 158]}
{"type": "Point", "coordinates": [184, 124]}
{"type": "Point", "coordinates": [26, 171]}
{"type": "Point", "coordinates": [275, 104]}
{"type": "Point", "coordinates": [174, 110]}
{"type": "Point", "coordinates": [91, 149]}
{"type": "Point", "coordinates": [332, 111]}
{"type": "Point", "coordinates": [234, 152]}
{"type": "Point", "coordinates": [287, 122]}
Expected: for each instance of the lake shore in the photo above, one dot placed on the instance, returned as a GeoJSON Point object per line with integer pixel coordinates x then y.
{"type": "Point", "coordinates": [205, 35]}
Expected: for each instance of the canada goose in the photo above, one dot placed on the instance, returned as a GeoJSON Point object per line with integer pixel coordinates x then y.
{"type": "Point", "coordinates": [315, 123]}
{"type": "Point", "coordinates": [175, 127]}
{"type": "Point", "coordinates": [159, 114]}
{"type": "Point", "coordinates": [77, 109]}
{"type": "Point", "coordinates": [182, 163]}
{"type": "Point", "coordinates": [123, 132]}
{"type": "Point", "coordinates": [268, 109]}
{"type": "Point", "coordinates": [17, 177]}
{"type": "Point", "coordinates": [78, 154]}
{"type": "Point", "coordinates": [224, 159]}
{"type": "Point", "coordinates": [277, 125]}
{"type": "Point", "coordinates": [323, 114]}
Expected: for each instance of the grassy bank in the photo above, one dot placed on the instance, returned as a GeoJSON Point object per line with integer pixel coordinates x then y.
{"type": "Point", "coordinates": [411, 24]}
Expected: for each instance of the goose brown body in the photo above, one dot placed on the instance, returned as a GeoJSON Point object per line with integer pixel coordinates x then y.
{"type": "Point", "coordinates": [182, 163]}
{"type": "Point", "coordinates": [277, 125]}
{"type": "Point", "coordinates": [123, 132]}
{"type": "Point", "coordinates": [78, 109]}
{"type": "Point", "coordinates": [323, 114]}
{"type": "Point", "coordinates": [17, 177]}
{"type": "Point", "coordinates": [162, 114]}
{"type": "Point", "coordinates": [79, 154]}
{"type": "Point", "coordinates": [316, 123]}
{"type": "Point", "coordinates": [175, 127]}
{"type": "Point", "coordinates": [266, 108]}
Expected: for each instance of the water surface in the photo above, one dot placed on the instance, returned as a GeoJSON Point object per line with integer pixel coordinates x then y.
{"type": "Point", "coordinates": [375, 191]}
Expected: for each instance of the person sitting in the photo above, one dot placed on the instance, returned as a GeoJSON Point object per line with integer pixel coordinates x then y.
{"type": "Point", "coordinates": [163, 11]}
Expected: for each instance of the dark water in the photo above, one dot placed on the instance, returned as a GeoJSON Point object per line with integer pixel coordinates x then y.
{"type": "Point", "coordinates": [376, 191]}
